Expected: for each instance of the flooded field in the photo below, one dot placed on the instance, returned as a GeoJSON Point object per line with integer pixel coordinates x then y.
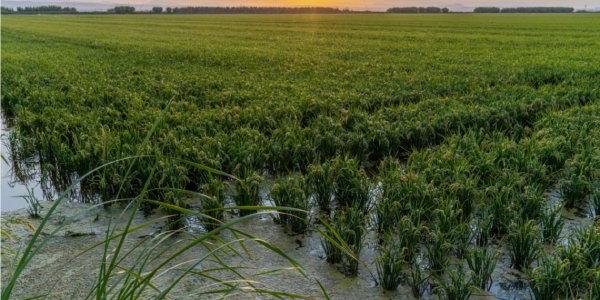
{"type": "Point", "coordinates": [374, 156]}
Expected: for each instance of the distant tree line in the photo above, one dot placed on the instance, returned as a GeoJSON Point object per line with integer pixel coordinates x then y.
{"type": "Point", "coordinates": [253, 10]}
{"type": "Point", "coordinates": [122, 10]}
{"type": "Point", "coordinates": [535, 10]}
{"type": "Point", "coordinates": [418, 10]}
{"type": "Point", "coordinates": [49, 9]}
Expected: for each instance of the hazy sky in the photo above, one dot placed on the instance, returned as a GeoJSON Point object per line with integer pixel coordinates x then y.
{"type": "Point", "coordinates": [352, 4]}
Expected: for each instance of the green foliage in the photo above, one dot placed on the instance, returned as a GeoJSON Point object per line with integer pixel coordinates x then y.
{"type": "Point", "coordinates": [457, 287]}
{"type": "Point", "coordinates": [247, 193]}
{"type": "Point", "coordinates": [344, 240]}
{"type": "Point", "coordinates": [390, 263]}
{"type": "Point", "coordinates": [351, 183]}
{"type": "Point", "coordinates": [524, 244]}
{"type": "Point", "coordinates": [552, 225]}
{"type": "Point", "coordinates": [550, 280]}
{"type": "Point", "coordinates": [482, 262]}
{"type": "Point", "coordinates": [213, 205]}
{"type": "Point", "coordinates": [437, 250]}
{"type": "Point", "coordinates": [290, 191]}
{"type": "Point", "coordinates": [320, 181]}
{"type": "Point", "coordinates": [416, 279]}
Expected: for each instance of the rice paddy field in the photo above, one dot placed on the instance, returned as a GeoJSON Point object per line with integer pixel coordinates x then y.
{"type": "Point", "coordinates": [412, 156]}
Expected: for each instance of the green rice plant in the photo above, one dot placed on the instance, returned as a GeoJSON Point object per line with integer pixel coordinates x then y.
{"type": "Point", "coordinates": [213, 204]}
{"type": "Point", "coordinates": [483, 231]}
{"type": "Point", "coordinates": [34, 207]}
{"type": "Point", "coordinates": [416, 279]}
{"type": "Point", "coordinates": [574, 188]}
{"type": "Point", "coordinates": [457, 287]}
{"type": "Point", "coordinates": [247, 193]}
{"type": "Point", "coordinates": [321, 183]}
{"type": "Point", "coordinates": [342, 240]}
{"type": "Point", "coordinates": [390, 262]}
{"type": "Point", "coordinates": [499, 208]}
{"type": "Point", "coordinates": [290, 191]}
{"type": "Point", "coordinates": [586, 243]}
{"type": "Point", "coordinates": [482, 262]}
{"type": "Point", "coordinates": [552, 225]}
{"type": "Point", "coordinates": [550, 280]}
{"type": "Point", "coordinates": [530, 202]}
{"type": "Point", "coordinates": [353, 235]}
{"type": "Point", "coordinates": [524, 244]}
{"type": "Point", "coordinates": [594, 289]}
{"type": "Point", "coordinates": [437, 250]}
{"type": "Point", "coordinates": [351, 183]}
{"type": "Point", "coordinates": [409, 237]}
{"type": "Point", "coordinates": [595, 198]}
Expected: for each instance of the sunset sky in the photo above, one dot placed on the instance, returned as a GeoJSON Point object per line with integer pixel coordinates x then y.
{"type": "Point", "coordinates": [376, 5]}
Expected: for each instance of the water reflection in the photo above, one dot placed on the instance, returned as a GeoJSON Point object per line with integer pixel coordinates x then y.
{"type": "Point", "coordinates": [16, 183]}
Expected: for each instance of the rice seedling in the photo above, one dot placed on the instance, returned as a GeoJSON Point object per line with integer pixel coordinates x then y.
{"type": "Point", "coordinates": [409, 237]}
{"type": "Point", "coordinates": [482, 262]}
{"type": "Point", "coordinates": [574, 188]}
{"type": "Point", "coordinates": [523, 244]}
{"type": "Point", "coordinates": [530, 203]}
{"type": "Point", "coordinates": [550, 280]}
{"type": "Point", "coordinates": [247, 193]}
{"type": "Point", "coordinates": [437, 250]}
{"type": "Point", "coordinates": [34, 207]}
{"type": "Point", "coordinates": [552, 224]}
{"type": "Point", "coordinates": [499, 209]}
{"type": "Point", "coordinates": [213, 205]}
{"type": "Point", "coordinates": [416, 279]}
{"type": "Point", "coordinates": [595, 198]}
{"type": "Point", "coordinates": [457, 287]}
{"type": "Point", "coordinates": [343, 239]}
{"type": "Point", "coordinates": [290, 191]}
{"type": "Point", "coordinates": [351, 183]}
{"type": "Point", "coordinates": [586, 243]}
{"type": "Point", "coordinates": [594, 289]}
{"type": "Point", "coordinates": [390, 263]}
{"type": "Point", "coordinates": [483, 231]}
{"type": "Point", "coordinates": [321, 183]}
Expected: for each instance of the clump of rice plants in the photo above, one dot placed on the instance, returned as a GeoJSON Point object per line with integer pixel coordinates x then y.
{"type": "Point", "coordinates": [552, 225]}
{"type": "Point", "coordinates": [596, 201]}
{"type": "Point", "coordinates": [483, 231]}
{"type": "Point", "coordinates": [550, 280]}
{"type": "Point", "coordinates": [482, 262]}
{"type": "Point", "coordinates": [594, 289]}
{"type": "Point", "coordinates": [457, 287]}
{"type": "Point", "coordinates": [586, 244]}
{"type": "Point", "coordinates": [351, 183]}
{"type": "Point", "coordinates": [247, 193]}
{"type": "Point", "coordinates": [343, 239]}
{"type": "Point", "coordinates": [409, 237]}
{"type": "Point", "coordinates": [437, 250]}
{"type": "Point", "coordinates": [290, 191]}
{"type": "Point", "coordinates": [213, 204]}
{"type": "Point", "coordinates": [390, 262]}
{"type": "Point", "coordinates": [575, 187]}
{"type": "Point", "coordinates": [321, 183]}
{"type": "Point", "coordinates": [34, 207]}
{"type": "Point", "coordinates": [523, 244]}
{"type": "Point", "coordinates": [416, 279]}
{"type": "Point", "coordinates": [530, 202]}
{"type": "Point", "coordinates": [499, 209]}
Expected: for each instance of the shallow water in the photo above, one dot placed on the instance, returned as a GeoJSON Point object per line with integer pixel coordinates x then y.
{"type": "Point", "coordinates": [14, 189]}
